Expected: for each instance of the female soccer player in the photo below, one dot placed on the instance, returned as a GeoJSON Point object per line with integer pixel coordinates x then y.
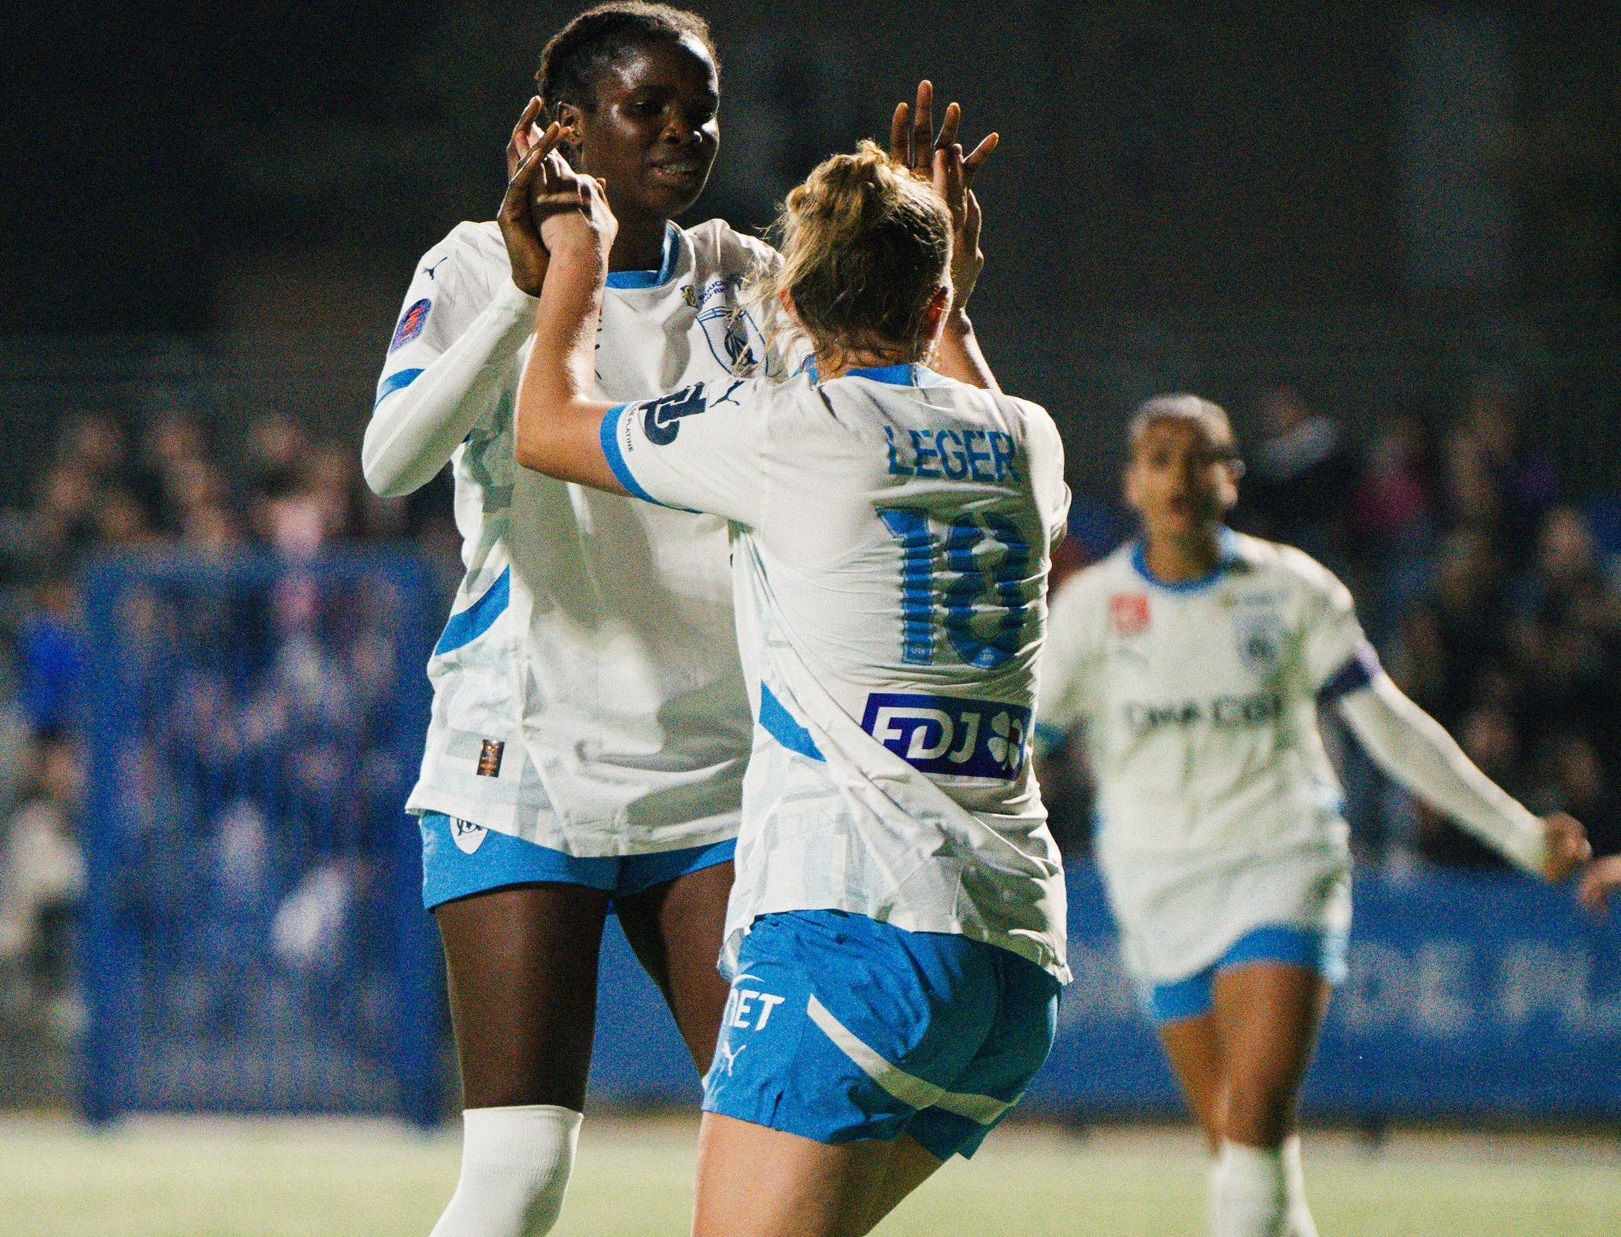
{"type": "Point", "coordinates": [590, 723]}
{"type": "Point", "coordinates": [1197, 660]}
{"type": "Point", "coordinates": [895, 936]}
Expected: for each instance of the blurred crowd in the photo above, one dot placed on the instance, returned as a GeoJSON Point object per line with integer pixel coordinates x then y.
{"type": "Point", "coordinates": [1493, 601]}
{"type": "Point", "coordinates": [255, 709]}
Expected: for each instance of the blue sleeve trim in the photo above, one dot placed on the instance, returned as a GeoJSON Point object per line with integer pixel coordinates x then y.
{"type": "Point", "coordinates": [616, 457]}
{"type": "Point", "coordinates": [782, 726]}
{"type": "Point", "coordinates": [398, 380]}
{"type": "Point", "coordinates": [1357, 673]}
{"type": "Point", "coordinates": [478, 618]}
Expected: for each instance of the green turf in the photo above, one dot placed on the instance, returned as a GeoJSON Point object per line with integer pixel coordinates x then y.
{"type": "Point", "coordinates": [281, 1179]}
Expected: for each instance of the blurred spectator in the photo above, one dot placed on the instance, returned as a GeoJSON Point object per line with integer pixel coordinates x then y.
{"type": "Point", "coordinates": [1500, 480]}
{"type": "Point", "coordinates": [1300, 476]}
{"type": "Point", "coordinates": [51, 656]}
{"type": "Point", "coordinates": [42, 880]}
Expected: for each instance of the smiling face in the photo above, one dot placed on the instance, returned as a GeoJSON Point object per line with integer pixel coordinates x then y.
{"type": "Point", "coordinates": [1180, 480]}
{"type": "Point", "coordinates": [653, 130]}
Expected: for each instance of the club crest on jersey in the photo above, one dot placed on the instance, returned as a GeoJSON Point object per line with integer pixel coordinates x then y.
{"type": "Point", "coordinates": [467, 836]}
{"type": "Point", "coordinates": [959, 738]}
{"type": "Point", "coordinates": [661, 418]}
{"type": "Point", "coordinates": [1130, 613]}
{"type": "Point", "coordinates": [1259, 635]}
{"type": "Point", "coordinates": [734, 340]}
{"type": "Point", "coordinates": [411, 323]}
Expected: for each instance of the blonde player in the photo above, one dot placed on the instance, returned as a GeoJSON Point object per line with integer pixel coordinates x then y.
{"type": "Point", "coordinates": [895, 937]}
{"type": "Point", "coordinates": [1197, 661]}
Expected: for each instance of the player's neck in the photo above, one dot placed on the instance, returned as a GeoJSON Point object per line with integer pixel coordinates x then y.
{"type": "Point", "coordinates": [1181, 560]}
{"type": "Point", "coordinates": [638, 245]}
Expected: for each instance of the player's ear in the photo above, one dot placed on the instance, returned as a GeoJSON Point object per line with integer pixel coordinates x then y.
{"type": "Point", "coordinates": [572, 117]}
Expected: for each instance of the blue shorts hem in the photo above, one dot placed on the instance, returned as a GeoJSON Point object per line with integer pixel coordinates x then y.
{"type": "Point", "coordinates": [499, 860]}
{"type": "Point", "coordinates": [1311, 949]}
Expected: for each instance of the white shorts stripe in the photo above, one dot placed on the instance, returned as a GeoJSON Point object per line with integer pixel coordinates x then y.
{"type": "Point", "coordinates": [907, 1088]}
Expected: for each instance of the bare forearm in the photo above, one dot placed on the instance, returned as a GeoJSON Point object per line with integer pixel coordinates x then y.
{"type": "Point", "coordinates": [558, 417]}
{"type": "Point", "coordinates": [958, 355]}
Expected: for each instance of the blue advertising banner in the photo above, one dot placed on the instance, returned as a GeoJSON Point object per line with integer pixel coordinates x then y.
{"type": "Point", "coordinates": [1470, 994]}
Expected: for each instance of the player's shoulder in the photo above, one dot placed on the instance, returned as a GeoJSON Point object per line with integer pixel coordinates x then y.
{"type": "Point", "coordinates": [471, 253]}
{"type": "Point", "coordinates": [1108, 576]}
{"type": "Point", "coordinates": [719, 248]}
{"type": "Point", "coordinates": [1286, 564]}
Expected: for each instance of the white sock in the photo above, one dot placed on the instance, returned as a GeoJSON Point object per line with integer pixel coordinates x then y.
{"type": "Point", "coordinates": [1248, 1192]}
{"type": "Point", "coordinates": [515, 1168]}
{"type": "Point", "coordinates": [1300, 1222]}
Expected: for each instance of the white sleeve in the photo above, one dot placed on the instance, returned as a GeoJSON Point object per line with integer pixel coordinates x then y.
{"type": "Point", "coordinates": [1332, 642]}
{"type": "Point", "coordinates": [1411, 746]}
{"type": "Point", "coordinates": [1070, 664]}
{"type": "Point", "coordinates": [448, 364]}
{"type": "Point", "coordinates": [699, 449]}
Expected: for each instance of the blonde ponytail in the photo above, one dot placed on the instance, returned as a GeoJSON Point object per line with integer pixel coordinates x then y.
{"type": "Point", "coordinates": [866, 246]}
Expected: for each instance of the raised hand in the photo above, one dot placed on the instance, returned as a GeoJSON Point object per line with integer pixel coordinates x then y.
{"type": "Point", "coordinates": [939, 159]}
{"type": "Point", "coordinates": [1568, 847]}
{"type": "Point", "coordinates": [568, 207]}
{"type": "Point", "coordinates": [526, 153]}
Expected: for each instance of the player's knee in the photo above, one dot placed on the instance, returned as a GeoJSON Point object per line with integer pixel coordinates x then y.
{"type": "Point", "coordinates": [1260, 1112]}
{"type": "Point", "coordinates": [515, 1170]}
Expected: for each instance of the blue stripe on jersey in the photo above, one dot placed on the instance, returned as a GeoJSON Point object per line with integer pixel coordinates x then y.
{"type": "Point", "coordinates": [910, 375]}
{"type": "Point", "coordinates": [782, 726]}
{"type": "Point", "coordinates": [616, 458]}
{"type": "Point", "coordinates": [1357, 673]}
{"type": "Point", "coordinates": [651, 279]}
{"type": "Point", "coordinates": [396, 381]}
{"type": "Point", "coordinates": [477, 619]}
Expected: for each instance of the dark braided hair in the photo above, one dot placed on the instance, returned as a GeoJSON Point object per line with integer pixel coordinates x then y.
{"type": "Point", "coordinates": [579, 52]}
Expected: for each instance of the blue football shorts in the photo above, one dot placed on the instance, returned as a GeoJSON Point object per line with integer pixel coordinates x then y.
{"type": "Point", "coordinates": [460, 858]}
{"type": "Point", "coordinates": [1312, 949]}
{"type": "Point", "coordinates": [843, 1029]}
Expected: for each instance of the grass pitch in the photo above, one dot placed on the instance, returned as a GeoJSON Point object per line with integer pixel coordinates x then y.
{"type": "Point", "coordinates": [207, 1178]}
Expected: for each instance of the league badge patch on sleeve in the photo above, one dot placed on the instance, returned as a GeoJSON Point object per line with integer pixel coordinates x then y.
{"type": "Point", "coordinates": [411, 324]}
{"type": "Point", "coordinates": [1130, 613]}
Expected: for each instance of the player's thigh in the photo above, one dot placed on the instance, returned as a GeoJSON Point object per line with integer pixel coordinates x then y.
{"type": "Point", "coordinates": [1268, 1015]}
{"type": "Point", "coordinates": [910, 1165]}
{"type": "Point", "coordinates": [759, 1182]}
{"type": "Point", "coordinates": [676, 929]}
{"type": "Point", "coordinates": [522, 967]}
{"type": "Point", "coordinates": [1193, 1047]}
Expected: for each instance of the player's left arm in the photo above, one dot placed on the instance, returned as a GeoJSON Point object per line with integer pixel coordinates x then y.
{"type": "Point", "coordinates": [558, 423]}
{"type": "Point", "coordinates": [1415, 749]}
{"type": "Point", "coordinates": [939, 159]}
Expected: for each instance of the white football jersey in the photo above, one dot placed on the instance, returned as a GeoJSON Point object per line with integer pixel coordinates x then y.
{"type": "Point", "coordinates": [891, 538]}
{"type": "Point", "coordinates": [587, 690]}
{"type": "Point", "coordinates": [1200, 700]}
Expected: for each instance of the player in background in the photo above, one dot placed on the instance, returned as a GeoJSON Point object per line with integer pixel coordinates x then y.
{"type": "Point", "coordinates": [1196, 661]}
{"type": "Point", "coordinates": [896, 931]}
{"type": "Point", "coordinates": [590, 724]}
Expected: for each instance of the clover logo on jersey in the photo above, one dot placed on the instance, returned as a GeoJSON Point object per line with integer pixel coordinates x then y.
{"type": "Point", "coordinates": [1006, 744]}
{"type": "Point", "coordinates": [661, 418]}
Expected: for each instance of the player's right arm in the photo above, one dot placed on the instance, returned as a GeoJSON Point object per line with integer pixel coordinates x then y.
{"type": "Point", "coordinates": [448, 364]}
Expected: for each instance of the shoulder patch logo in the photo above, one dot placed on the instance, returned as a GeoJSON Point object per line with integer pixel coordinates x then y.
{"type": "Point", "coordinates": [411, 324]}
{"type": "Point", "coordinates": [1130, 613]}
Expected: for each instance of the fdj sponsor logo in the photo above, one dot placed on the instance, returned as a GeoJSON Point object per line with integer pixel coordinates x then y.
{"type": "Point", "coordinates": [662, 417]}
{"type": "Point", "coordinates": [962, 738]}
